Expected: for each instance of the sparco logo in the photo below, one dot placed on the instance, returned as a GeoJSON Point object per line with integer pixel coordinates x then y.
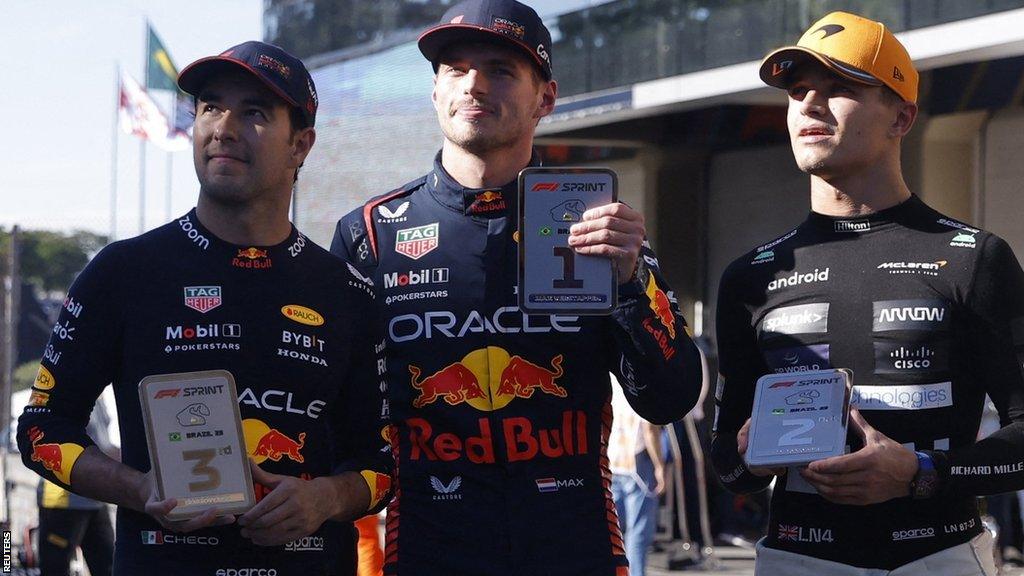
{"type": "Point", "coordinates": [796, 278]}
{"type": "Point", "coordinates": [803, 319]}
{"type": "Point", "coordinates": [307, 544]}
{"type": "Point", "coordinates": [852, 226]}
{"type": "Point", "coordinates": [916, 533]}
{"type": "Point", "coordinates": [416, 277]}
{"type": "Point", "coordinates": [246, 572]}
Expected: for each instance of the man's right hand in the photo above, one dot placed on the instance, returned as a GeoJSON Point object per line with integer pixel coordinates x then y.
{"type": "Point", "coordinates": [742, 439]}
{"type": "Point", "coordinates": [159, 509]}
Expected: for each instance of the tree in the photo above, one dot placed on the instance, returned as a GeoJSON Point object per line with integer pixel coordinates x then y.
{"type": "Point", "coordinates": [51, 260]}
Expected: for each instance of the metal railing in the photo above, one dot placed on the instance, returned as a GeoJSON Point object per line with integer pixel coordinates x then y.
{"type": "Point", "coordinates": [628, 41]}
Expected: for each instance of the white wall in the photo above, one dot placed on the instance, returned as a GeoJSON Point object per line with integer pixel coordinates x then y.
{"type": "Point", "coordinates": [1002, 195]}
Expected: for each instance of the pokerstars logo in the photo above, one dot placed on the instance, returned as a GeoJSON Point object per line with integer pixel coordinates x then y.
{"type": "Point", "coordinates": [416, 277]}
{"type": "Point", "coordinates": [797, 278]}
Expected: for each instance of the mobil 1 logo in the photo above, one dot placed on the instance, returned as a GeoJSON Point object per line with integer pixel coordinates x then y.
{"type": "Point", "coordinates": [553, 278]}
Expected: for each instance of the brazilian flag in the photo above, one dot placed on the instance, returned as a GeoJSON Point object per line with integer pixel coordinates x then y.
{"type": "Point", "coordinates": [161, 74]}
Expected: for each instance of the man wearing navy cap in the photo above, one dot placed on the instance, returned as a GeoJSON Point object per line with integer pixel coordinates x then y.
{"type": "Point", "coordinates": [500, 419]}
{"type": "Point", "coordinates": [231, 285]}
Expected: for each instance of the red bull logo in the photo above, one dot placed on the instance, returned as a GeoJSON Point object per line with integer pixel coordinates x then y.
{"type": "Point", "coordinates": [470, 381]}
{"type": "Point", "coordinates": [252, 257]}
{"type": "Point", "coordinates": [489, 201]}
{"type": "Point", "coordinates": [57, 458]}
{"type": "Point", "coordinates": [252, 253]}
{"type": "Point", "coordinates": [455, 383]}
{"type": "Point", "coordinates": [265, 443]}
{"type": "Point", "coordinates": [521, 377]}
{"type": "Point", "coordinates": [661, 306]}
{"type": "Point", "coordinates": [524, 439]}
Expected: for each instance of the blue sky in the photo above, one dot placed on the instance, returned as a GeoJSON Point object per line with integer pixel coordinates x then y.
{"type": "Point", "coordinates": [57, 87]}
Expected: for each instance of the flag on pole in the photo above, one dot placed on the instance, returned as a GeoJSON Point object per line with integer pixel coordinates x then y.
{"type": "Point", "coordinates": [161, 73]}
{"type": "Point", "coordinates": [139, 116]}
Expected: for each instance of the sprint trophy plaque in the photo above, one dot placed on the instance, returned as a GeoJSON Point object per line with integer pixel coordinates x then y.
{"type": "Point", "coordinates": [799, 418]}
{"type": "Point", "coordinates": [196, 444]}
{"type": "Point", "coordinates": [553, 278]}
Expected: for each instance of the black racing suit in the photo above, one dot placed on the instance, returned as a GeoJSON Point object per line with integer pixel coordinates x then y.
{"type": "Point", "coordinates": [929, 314]}
{"type": "Point", "coordinates": [291, 322]}
{"type": "Point", "coordinates": [500, 418]}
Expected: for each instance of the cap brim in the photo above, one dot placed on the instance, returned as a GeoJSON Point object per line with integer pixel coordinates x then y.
{"type": "Point", "coordinates": [433, 41]}
{"type": "Point", "coordinates": [777, 67]}
{"type": "Point", "coordinates": [194, 76]}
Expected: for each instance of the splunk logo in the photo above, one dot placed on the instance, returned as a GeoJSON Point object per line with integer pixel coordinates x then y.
{"type": "Point", "coordinates": [803, 319]}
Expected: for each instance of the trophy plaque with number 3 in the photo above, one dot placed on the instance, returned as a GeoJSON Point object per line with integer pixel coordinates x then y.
{"type": "Point", "coordinates": [196, 443]}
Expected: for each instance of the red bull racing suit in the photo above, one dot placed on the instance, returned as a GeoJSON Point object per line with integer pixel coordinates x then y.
{"type": "Point", "coordinates": [928, 312]}
{"type": "Point", "coordinates": [500, 419]}
{"type": "Point", "coordinates": [291, 322]}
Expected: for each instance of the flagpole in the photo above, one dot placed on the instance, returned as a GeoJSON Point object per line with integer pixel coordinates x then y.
{"type": "Point", "coordinates": [142, 142]}
{"type": "Point", "coordinates": [113, 152]}
{"type": "Point", "coordinates": [170, 178]}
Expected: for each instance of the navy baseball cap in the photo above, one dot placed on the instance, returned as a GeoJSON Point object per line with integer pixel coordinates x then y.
{"type": "Point", "coordinates": [505, 22]}
{"type": "Point", "coordinates": [283, 73]}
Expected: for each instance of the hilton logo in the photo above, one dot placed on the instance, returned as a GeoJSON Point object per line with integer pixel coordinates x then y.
{"type": "Point", "coordinates": [852, 226]}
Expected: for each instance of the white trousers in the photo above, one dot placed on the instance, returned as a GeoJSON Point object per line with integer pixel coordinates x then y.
{"type": "Point", "coordinates": [974, 558]}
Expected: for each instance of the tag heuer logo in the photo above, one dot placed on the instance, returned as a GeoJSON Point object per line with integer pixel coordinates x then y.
{"type": "Point", "coordinates": [202, 298]}
{"type": "Point", "coordinates": [415, 242]}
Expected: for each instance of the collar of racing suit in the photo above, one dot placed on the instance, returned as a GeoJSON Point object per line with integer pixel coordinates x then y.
{"type": "Point", "coordinates": [481, 202]}
{"type": "Point", "coordinates": [246, 257]}
{"type": "Point", "coordinates": [901, 213]}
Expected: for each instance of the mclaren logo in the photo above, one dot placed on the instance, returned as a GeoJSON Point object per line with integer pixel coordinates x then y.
{"type": "Point", "coordinates": [829, 29]}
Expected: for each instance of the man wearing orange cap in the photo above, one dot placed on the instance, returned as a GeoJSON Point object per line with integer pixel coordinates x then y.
{"type": "Point", "coordinates": [927, 311]}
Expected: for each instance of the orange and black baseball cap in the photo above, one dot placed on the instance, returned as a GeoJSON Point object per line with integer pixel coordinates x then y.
{"type": "Point", "coordinates": [283, 73]}
{"type": "Point", "coordinates": [853, 47]}
{"type": "Point", "coordinates": [504, 22]}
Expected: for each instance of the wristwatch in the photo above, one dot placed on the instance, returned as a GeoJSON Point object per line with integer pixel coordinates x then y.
{"type": "Point", "coordinates": [926, 481]}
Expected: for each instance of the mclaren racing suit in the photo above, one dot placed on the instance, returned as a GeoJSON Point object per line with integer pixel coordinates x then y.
{"type": "Point", "coordinates": [928, 312]}
{"type": "Point", "coordinates": [291, 322]}
{"type": "Point", "coordinates": [500, 418]}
